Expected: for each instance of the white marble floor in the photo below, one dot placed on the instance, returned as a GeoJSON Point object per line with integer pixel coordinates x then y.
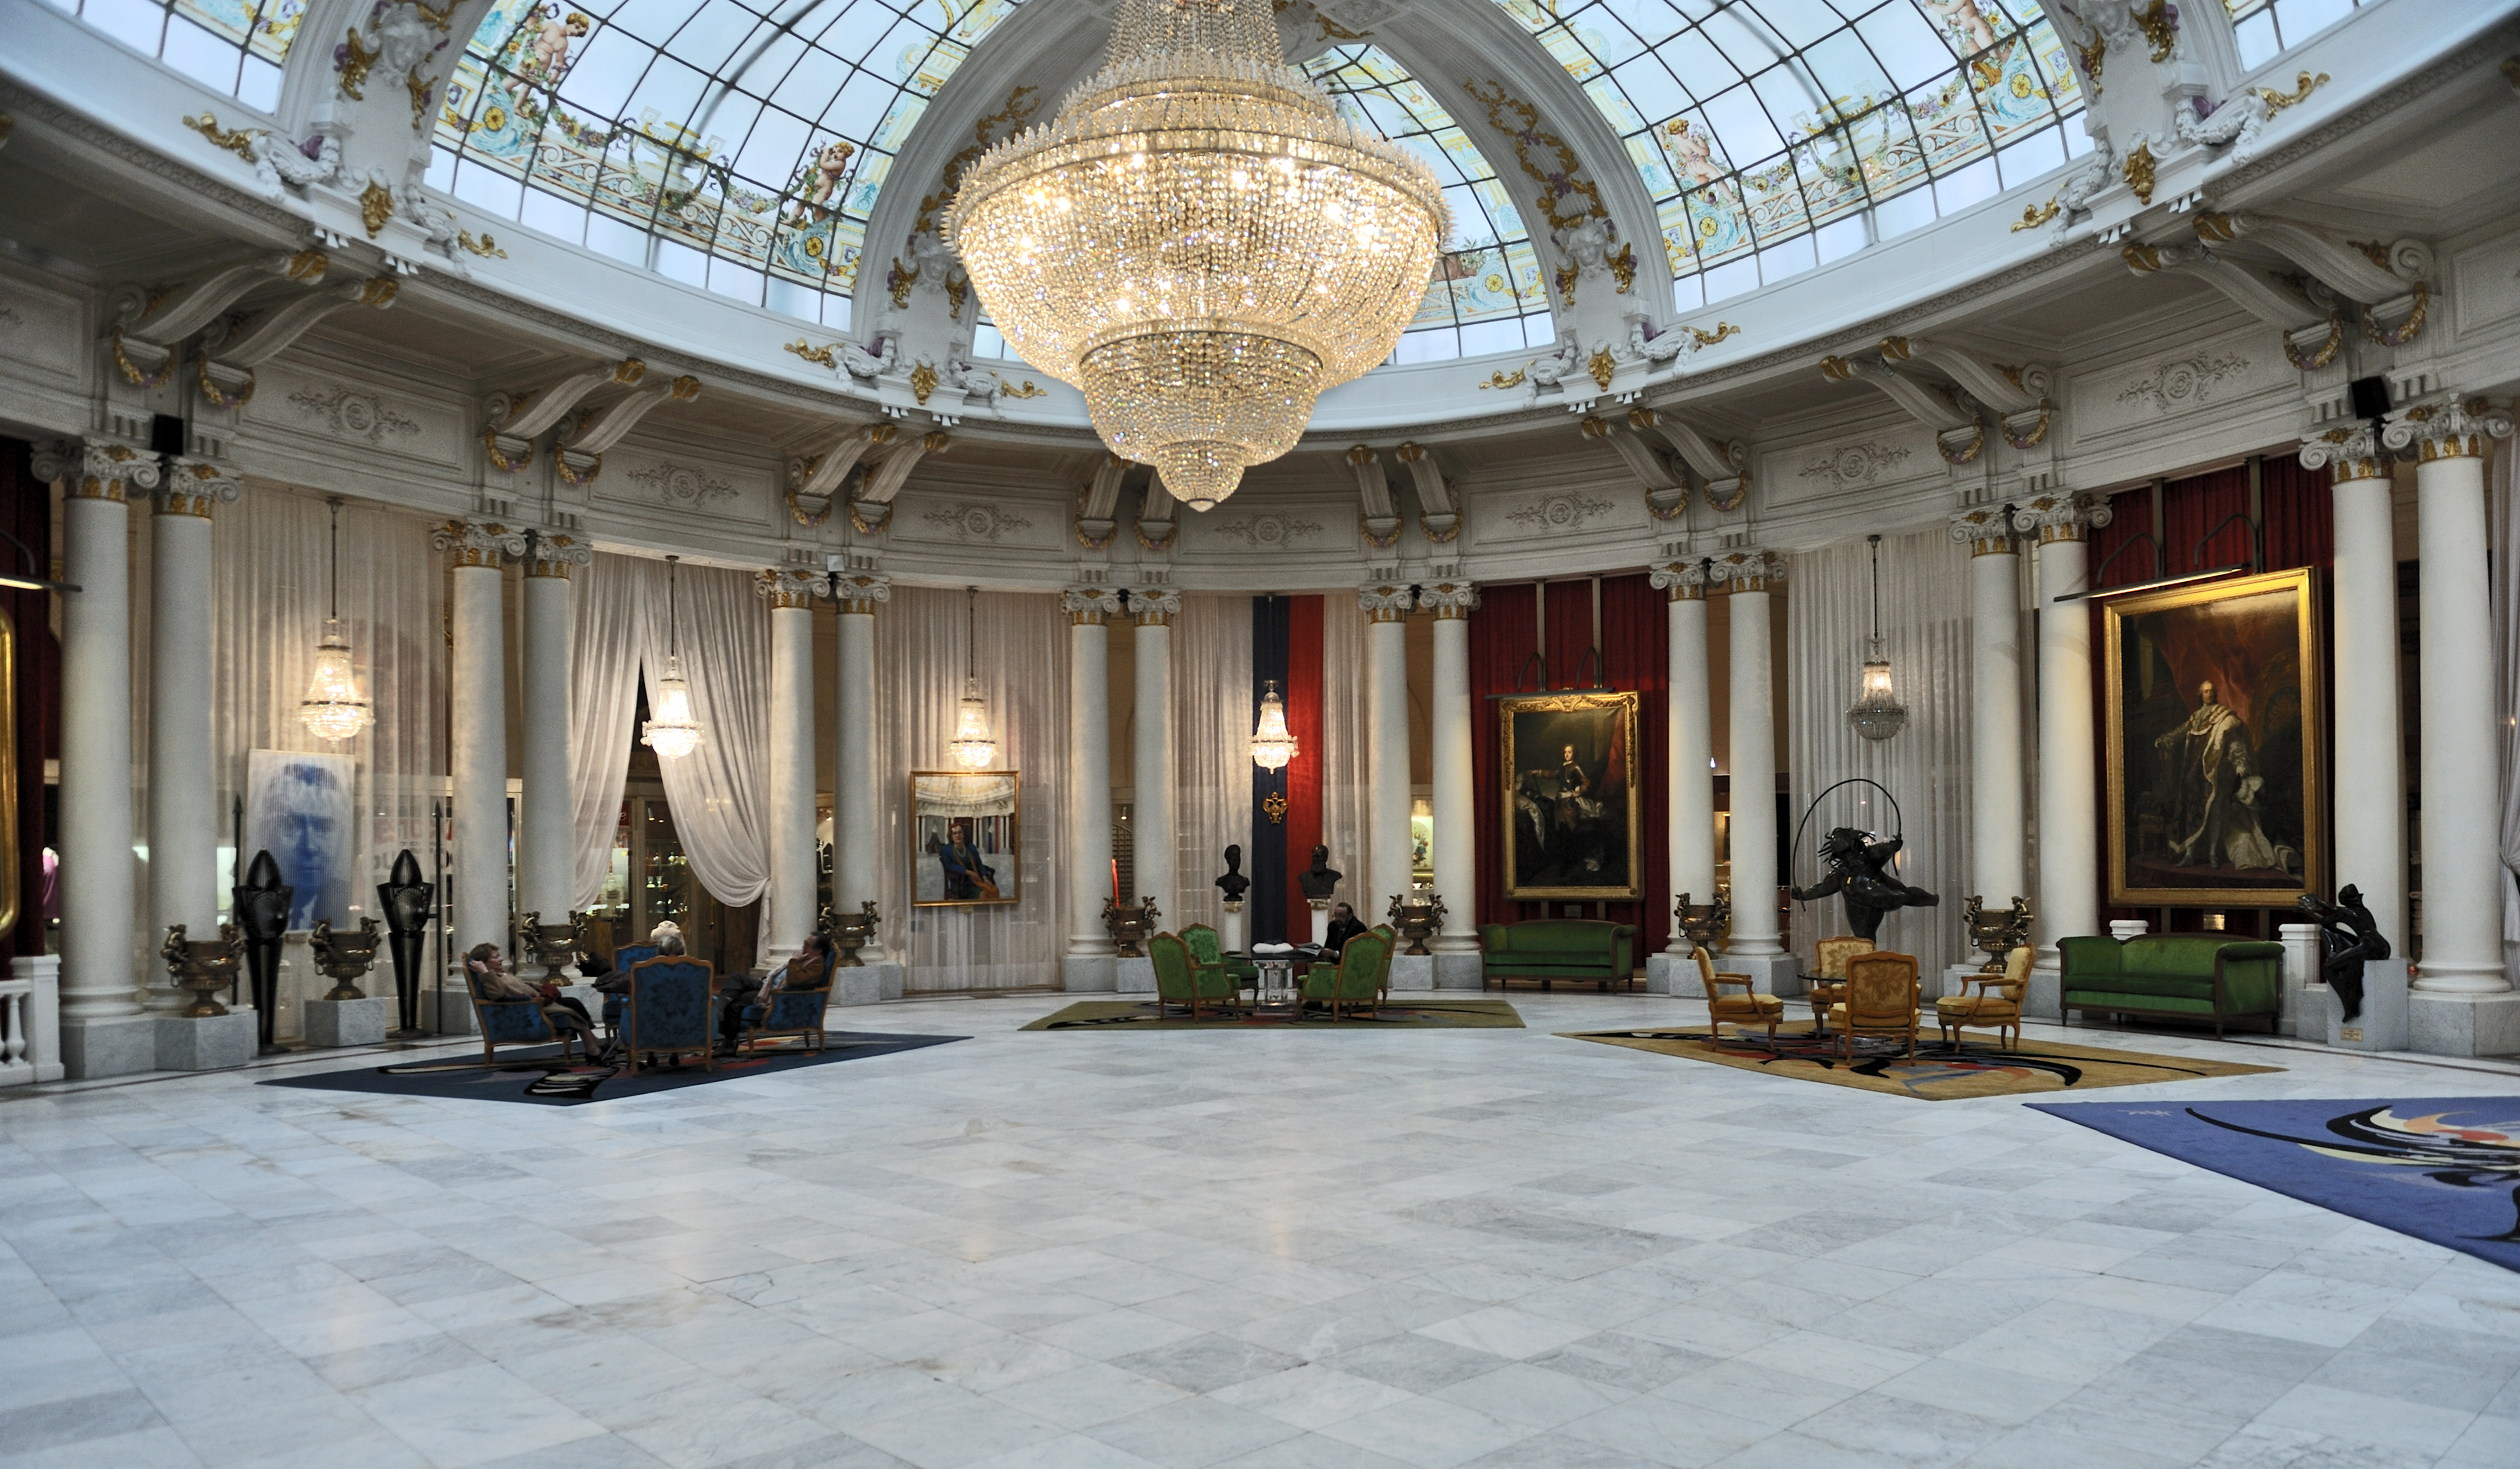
{"type": "Point", "coordinates": [1254, 1249]}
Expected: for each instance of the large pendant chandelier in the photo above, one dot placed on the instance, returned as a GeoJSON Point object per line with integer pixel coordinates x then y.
{"type": "Point", "coordinates": [972, 749]}
{"type": "Point", "coordinates": [333, 708]}
{"type": "Point", "coordinates": [1272, 746]}
{"type": "Point", "coordinates": [1876, 713]}
{"type": "Point", "coordinates": [672, 730]}
{"type": "Point", "coordinates": [1199, 242]}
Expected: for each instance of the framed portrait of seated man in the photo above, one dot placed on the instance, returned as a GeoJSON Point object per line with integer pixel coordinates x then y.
{"type": "Point", "coordinates": [2215, 727]}
{"type": "Point", "coordinates": [966, 838]}
{"type": "Point", "coordinates": [1573, 809]}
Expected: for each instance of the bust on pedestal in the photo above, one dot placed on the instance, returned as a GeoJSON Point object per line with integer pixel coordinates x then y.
{"type": "Point", "coordinates": [1233, 885]}
{"type": "Point", "coordinates": [1318, 882]}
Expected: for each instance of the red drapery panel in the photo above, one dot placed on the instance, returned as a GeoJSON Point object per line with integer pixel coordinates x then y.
{"type": "Point", "coordinates": [1570, 635]}
{"type": "Point", "coordinates": [1504, 635]}
{"type": "Point", "coordinates": [2130, 520]}
{"type": "Point", "coordinates": [2191, 510]}
{"type": "Point", "coordinates": [1636, 650]}
{"type": "Point", "coordinates": [2301, 519]}
{"type": "Point", "coordinates": [1304, 772]}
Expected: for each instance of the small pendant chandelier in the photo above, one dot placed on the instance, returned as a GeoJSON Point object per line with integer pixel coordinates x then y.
{"type": "Point", "coordinates": [332, 709]}
{"type": "Point", "coordinates": [1271, 746]}
{"type": "Point", "coordinates": [973, 747]}
{"type": "Point", "coordinates": [1876, 713]}
{"type": "Point", "coordinates": [671, 730]}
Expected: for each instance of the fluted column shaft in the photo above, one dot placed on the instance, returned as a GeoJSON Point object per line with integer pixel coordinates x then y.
{"type": "Point", "coordinates": [546, 811]}
{"type": "Point", "coordinates": [97, 891]}
{"type": "Point", "coordinates": [183, 762]}
{"type": "Point", "coordinates": [478, 751]}
{"type": "Point", "coordinates": [2069, 836]}
{"type": "Point", "coordinates": [789, 913]}
{"type": "Point", "coordinates": [1150, 748]}
{"type": "Point", "coordinates": [1456, 793]}
{"type": "Point", "coordinates": [1998, 831]}
{"type": "Point", "coordinates": [1753, 734]}
{"type": "Point", "coordinates": [1693, 745]}
{"type": "Point", "coordinates": [2368, 722]}
{"type": "Point", "coordinates": [1089, 767]}
{"type": "Point", "coordinates": [856, 842]}
{"type": "Point", "coordinates": [1386, 751]}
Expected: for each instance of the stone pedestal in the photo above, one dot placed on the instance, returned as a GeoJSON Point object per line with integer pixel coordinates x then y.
{"type": "Point", "coordinates": [1955, 982]}
{"type": "Point", "coordinates": [2301, 970]}
{"type": "Point", "coordinates": [109, 1046]}
{"type": "Point", "coordinates": [1673, 974]}
{"type": "Point", "coordinates": [891, 979]}
{"type": "Point", "coordinates": [214, 1043]}
{"type": "Point", "coordinates": [2460, 1024]}
{"type": "Point", "coordinates": [1088, 973]}
{"type": "Point", "coordinates": [1321, 921]}
{"type": "Point", "coordinates": [346, 1022]}
{"type": "Point", "coordinates": [1229, 928]}
{"type": "Point", "coordinates": [2044, 997]}
{"type": "Point", "coordinates": [454, 1009]}
{"type": "Point", "coordinates": [1458, 971]}
{"type": "Point", "coordinates": [1137, 976]}
{"type": "Point", "coordinates": [2123, 929]}
{"type": "Point", "coordinates": [1412, 972]}
{"type": "Point", "coordinates": [40, 1011]}
{"type": "Point", "coordinates": [1780, 974]}
{"type": "Point", "coordinates": [863, 984]}
{"type": "Point", "coordinates": [2383, 1023]}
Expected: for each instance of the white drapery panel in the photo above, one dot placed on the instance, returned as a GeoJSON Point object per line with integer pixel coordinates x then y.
{"type": "Point", "coordinates": [1346, 825]}
{"type": "Point", "coordinates": [2502, 481]}
{"type": "Point", "coordinates": [1925, 634]}
{"type": "Point", "coordinates": [1212, 718]}
{"type": "Point", "coordinates": [1020, 640]}
{"type": "Point", "coordinates": [719, 792]}
{"type": "Point", "coordinates": [604, 705]}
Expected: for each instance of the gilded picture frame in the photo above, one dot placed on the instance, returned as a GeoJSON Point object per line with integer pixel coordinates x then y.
{"type": "Point", "coordinates": [12, 877]}
{"type": "Point", "coordinates": [2216, 725]}
{"type": "Point", "coordinates": [980, 865]}
{"type": "Point", "coordinates": [1574, 818]}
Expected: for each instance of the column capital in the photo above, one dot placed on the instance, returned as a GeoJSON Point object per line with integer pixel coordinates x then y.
{"type": "Point", "coordinates": [785, 588]}
{"type": "Point", "coordinates": [98, 468]}
{"type": "Point", "coordinates": [1155, 606]}
{"type": "Point", "coordinates": [1746, 569]}
{"type": "Point", "coordinates": [2347, 454]}
{"type": "Point", "coordinates": [1983, 531]}
{"type": "Point", "coordinates": [1384, 602]}
{"type": "Point", "coordinates": [859, 591]}
{"type": "Point", "coordinates": [1090, 606]}
{"type": "Point", "coordinates": [1450, 600]}
{"type": "Point", "coordinates": [2447, 427]}
{"type": "Point", "coordinates": [2062, 516]}
{"type": "Point", "coordinates": [1681, 581]}
{"type": "Point", "coordinates": [470, 542]}
{"type": "Point", "coordinates": [549, 555]}
{"type": "Point", "coordinates": [197, 487]}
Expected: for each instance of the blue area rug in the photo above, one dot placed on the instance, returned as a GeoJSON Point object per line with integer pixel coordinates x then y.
{"type": "Point", "coordinates": [2443, 1169]}
{"type": "Point", "coordinates": [542, 1077]}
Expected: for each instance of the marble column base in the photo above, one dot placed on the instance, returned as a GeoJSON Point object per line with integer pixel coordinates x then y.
{"type": "Point", "coordinates": [1458, 971]}
{"type": "Point", "coordinates": [2458, 1025]}
{"type": "Point", "coordinates": [1954, 981]}
{"type": "Point", "coordinates": [1088, 973]}
{"type": "Point", "coordinates": [1779, 974]}
{"type": "Point", "coordinates": [454, 1010]}
{"type": "Point", "coordinates": [345, 1022]}
{"type": "Point", "coordinates": [861, 985]}
{"type": "Point", "coordinates": [2045, 999]}
{"type": "Point", "coordinates": [1668, 974]}
{"type": "Point", "coordinates": [214, 1043]}
{"type": "Point", "coordinates": [116, 1046]}
{"type": "Point", "coordinates": [1136, 976]}
{"type": "Point", "coordinates": [2383, 1024]}
{"type": "Point", "coordinates": [891, 976]}
{"type": "Point", "coordinates": [1413, 973]}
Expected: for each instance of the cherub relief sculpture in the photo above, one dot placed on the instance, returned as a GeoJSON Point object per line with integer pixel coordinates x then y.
{"type": "Point", "coordinates": [1859, 875]}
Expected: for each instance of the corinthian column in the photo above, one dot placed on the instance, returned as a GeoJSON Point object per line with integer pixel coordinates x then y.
{"type": "Point", "coordinates": [2371, 801]}
{"type": "Point", "coordinates": [1997, 834]}
{"type": "Point", "coordinates": [477, 744]}
{"type": "Point", "coordinates": [1089, 963]}
{"type": "Point", "coordinates": [2069, 833]}
{"type": "Point", "coordinates": [102, 1032]}
{"type": "Point", "coordinates": [547, 811]}
{"type": "Point", "coordinates": [789, 913]}
{"type": "Point", "coordinates": [1453, 726]}
{"type": "Point", "coordinates": [1692, 769]}
{"type": "Point", "coordinates": [183, 762]}
{"type": "Point", "coordinates": [2462, 1002]}
{"type": "Point", "coordinates": [1386, 749]}
{"type": "Point", "coordinates": [1754, 945]}
{"type": "Point", "coordinates": [1151, 750]}
{"type": "Point", "coordinates": [857, 853]}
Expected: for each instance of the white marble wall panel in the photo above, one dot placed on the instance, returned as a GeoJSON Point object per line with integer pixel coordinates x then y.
{"type": "Point", "coordinates": [1244, 527]}
{"type": "Point", "coordinates": [2149, 397]}
{"type": "Point", "coordinates": [44, 365]}
{"type": "Point", "coordinates": [652, 483]}
{"type": "Point", "coordinates": [1863, 469]}
{"type": "Point", "coordinates": [981, 524]}
{"type": "Point", "coordinates": [2484, 287]}
{"type": "Point", "coordinates": [359, 416]}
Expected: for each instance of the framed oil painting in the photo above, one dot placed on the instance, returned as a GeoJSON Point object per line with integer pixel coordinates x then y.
{"type": "Point", "coordinates": [965, 837]}
{"type": "Point", "coordinates": [1573, 810]}
{"type": "Point", "coordinates": [2214, 725]}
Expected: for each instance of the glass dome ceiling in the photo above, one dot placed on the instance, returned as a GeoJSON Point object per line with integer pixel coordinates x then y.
{"type": "Point", "coordinates": [1778, 134]}
{"type": "Point", "coordinates": [237, 46]}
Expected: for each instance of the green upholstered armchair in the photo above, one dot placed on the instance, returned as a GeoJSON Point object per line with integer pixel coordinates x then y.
{"type": "Point", "coordinates": [1357, 979]}
{"type": "Point", "coordinates": [2173, 976]}
{"type": "Point", "coordinates": [1181, 980]}
{"type": "Point", "coordinates": [1208, 952]}
{"type": "Point", "coordinates": [1553, 949]}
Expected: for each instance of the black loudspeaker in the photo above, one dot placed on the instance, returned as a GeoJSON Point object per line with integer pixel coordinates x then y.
{"type": "Point", "coordinates": [2370, 397]}
{"type": "Point", "coordinates": [165, 433]}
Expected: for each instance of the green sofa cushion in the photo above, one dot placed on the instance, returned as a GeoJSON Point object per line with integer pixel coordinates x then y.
{"type": "Point", "coordinates": [2184, 986]}
{"type": "Point", "coordinates": [1518, 965]}
{"type": "Point", "coordinates": [2100, 1000]}
{"type": "Point", "coordinates": [1581, 936]}
{"type": "Point", "coordinates": [2181, 953]}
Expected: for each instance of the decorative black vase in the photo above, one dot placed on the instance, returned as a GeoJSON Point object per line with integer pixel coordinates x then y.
{"type": "Point", "coordinates": [407, 901]}
{"type": "Point", "coordinates": [261, 919]}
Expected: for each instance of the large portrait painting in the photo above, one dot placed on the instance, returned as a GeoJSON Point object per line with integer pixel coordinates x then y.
{"type": "Point", "coordinates": [1573, 811]}
{"type": "Point", "coordinates": [298, 807]}
{"type": "Point", "coordinates": [2214, 732]}
{"type": "Point", "coordinates": [964, 836]}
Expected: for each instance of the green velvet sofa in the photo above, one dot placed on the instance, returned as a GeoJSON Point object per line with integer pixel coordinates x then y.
{"type": "Point", "coordinates": [2174, 976]}
{"type": "Point", "coordinates": [1553, 949]}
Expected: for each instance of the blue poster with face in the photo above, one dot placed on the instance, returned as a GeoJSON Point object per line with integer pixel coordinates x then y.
{"type": "Point", "coordinates": [298, 807]}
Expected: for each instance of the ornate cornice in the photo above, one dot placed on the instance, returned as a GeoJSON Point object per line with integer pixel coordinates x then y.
{"type": "Point", "coordinates": [2447, 427]}
{"type": "Point", "coordinates": [2062, 516]}
{"type": "Point", "coordinates": [1090, 605]}
{"type": "Point", "coordinates": [2347, 454]}
{"type": "Point", "coordinates": [1383, 603]}
{"type": "Point", "coordinates": [199, 487]}
{"type": "Point", "coordinates": [1983, 531]}
{"type": "Point", "coordinates": [785, 588]}
{"type": "Point", "coordinates": [98, 468]}
{"type": "Point", "coordinates": [477, 543]}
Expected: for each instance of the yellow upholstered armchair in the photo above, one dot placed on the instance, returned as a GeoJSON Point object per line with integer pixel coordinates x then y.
{"type": "Point", "coordinates": [1829, 985]}
{"type": "Point", "coordinates": [1745, 1010]}
{"type": "Point", "coordinates": [1996, 1004]}
{"type": "Point", "coordinates": [1880, 1001]}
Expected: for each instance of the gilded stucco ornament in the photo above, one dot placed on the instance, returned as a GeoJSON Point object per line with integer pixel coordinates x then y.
{"type": "Point", "coordinates": [2138, 170]}
{"type": "Point", "coordinates": [238, 141]}
{"type": "Point", "coordinates": [486, 245]}
{"type": "Point", "coordinates": [2407, 329]}
{"type": "Point", "coordinates": [375, 205]}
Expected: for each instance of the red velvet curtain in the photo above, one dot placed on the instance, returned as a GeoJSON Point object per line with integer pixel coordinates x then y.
{"type": "Point", "coordinates": [1304, 772]}
{"type": "Point", "coordinates": [1569, 616]}
{"type": "Point", "coordinates": [1635, 651]}
{"type": "Point", "coordinates": [1504, 635]}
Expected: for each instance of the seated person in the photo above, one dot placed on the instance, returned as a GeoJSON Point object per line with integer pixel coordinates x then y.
{"type": "Point", "coordinates": [487, 968]}
{"type": "Point", "coordinates": [615, 986]}
{"type": "Point", "coordinates": [968, 879]}
{"type": "Point", "coordinates": [740, 992]}
{"type": "Point", "coordinates": [1343, 927]}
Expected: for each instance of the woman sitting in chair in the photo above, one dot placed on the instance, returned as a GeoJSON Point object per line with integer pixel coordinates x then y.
{"type": "Point", "coordinates": [489, 970]}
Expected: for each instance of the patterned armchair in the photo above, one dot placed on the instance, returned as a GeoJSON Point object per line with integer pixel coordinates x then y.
{"type": "Point", "coordinates": [511, 1022]}
{"type": "Point", "coordinates": [795, 1012]}
{"type": "Point", "coordinates": [1880, 1001]}
{"type": "Point", "coordinates": [623, 958]}
{"type": "Point", "coordinates": [1745, 1010]}
{"type": "Point", "coordinates": [1363, 969]}
{"type": "Point", "coordinates": [1208, 952]}
{"type": "Point", "coordinates": [1829, 985]}
{"type": "Point", "coordinates": [1996, 1004]}
{"type": "Point", "coordinates": [671, 1012]}
{"type": "Point", "coordinates": [1181, 980]}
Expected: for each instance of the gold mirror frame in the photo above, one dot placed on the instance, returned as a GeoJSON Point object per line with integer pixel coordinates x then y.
{"type": "Point", "coordinates": [1015, 838]}
{"type": "Point", "coordinates": [1620, 707]}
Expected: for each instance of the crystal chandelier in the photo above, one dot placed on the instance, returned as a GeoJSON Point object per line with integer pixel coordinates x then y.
{"type": "Point", "coordinates": [672, 731]}
{"type": "Point", "coordinates": [333, 708]}
{"type": "Point", "coordinates": [1876, 713]}
{"type": "Point", "coordinates": [1271, 746]}
{"type": "Point", "coordinates": [1199, 242]}
{"type": "Point", "coordinates": [973, 747]}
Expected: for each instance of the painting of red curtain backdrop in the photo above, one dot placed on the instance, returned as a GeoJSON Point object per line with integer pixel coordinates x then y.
{"type": "Point", "coordinates": [1572, 807]}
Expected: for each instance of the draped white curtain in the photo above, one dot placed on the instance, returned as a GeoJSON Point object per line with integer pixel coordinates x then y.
{"type": "Point", "coordinates": [719, 793]}
{"type": "Point", "coordinates": [1021, 643]}
{"type": "Point", "coordinates": [2502, 481]}
{"type": "Point", "coordinates": [604, 704]}
{"type": "Point", "coordinates": [1925, 634]}
{"type": "Point", "coordinates": [1345, 820]}
{"type": "Point", "coordinates": [1212, 718]}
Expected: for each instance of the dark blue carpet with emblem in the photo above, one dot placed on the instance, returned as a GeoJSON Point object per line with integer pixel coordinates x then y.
{"type": "Point", "coordinates": [540, 1075]}
{"type": "Point", "coordinates": [2443, 1169]}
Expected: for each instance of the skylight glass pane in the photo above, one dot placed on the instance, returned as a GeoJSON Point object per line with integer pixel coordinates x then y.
{"type": "Point", "coordinates": [208, 40]}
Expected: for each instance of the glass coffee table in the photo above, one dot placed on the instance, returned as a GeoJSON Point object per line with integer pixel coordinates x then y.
{"type": "Point", "coordinates": [1277, 988]}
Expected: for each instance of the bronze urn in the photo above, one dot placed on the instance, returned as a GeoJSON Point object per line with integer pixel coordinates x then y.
{"type": "Point", "coordinates": [1417, 916]}
{"type": "Point", "coordinates": [1130, 927]}
{"type": "Point", "coordinates": [204, 966]}
{"type": "Point", "coordinates": [344, 957]}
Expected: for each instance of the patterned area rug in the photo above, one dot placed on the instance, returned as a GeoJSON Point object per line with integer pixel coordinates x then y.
{"type": "Point", "coordinates": [1416, 1014]}
{"type": "Point", "coordinates": [541, 1076]}
{"type": "Point", "coordinates": [2443, 1169]}
{"type": "Point", "coordinates": [1939, 1073]}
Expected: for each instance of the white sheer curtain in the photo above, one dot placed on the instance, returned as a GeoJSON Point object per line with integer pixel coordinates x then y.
{"type": "Point", "coordinates": [604, 704]}
{"type": "Point", "coordinates": [1925, 633]}
{"type": "Point", "coordinates": [1345, 824]}
{"type": "Point", "coordinates": [718, 794]}
{"type": "Point", "coordinates": [2502, 481]}
{"type": "Point", "coordinates": [1212, 716]}
{"type": "Point", "coordinates": [1021, 643]}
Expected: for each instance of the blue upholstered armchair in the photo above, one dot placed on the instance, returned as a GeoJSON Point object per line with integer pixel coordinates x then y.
{"type": "Point", "coordinates": [509, 1022]}
{"type": "Point", "coordinates": [623, 957]}
{"type": "Point", "coordinates": [672, 1011]}
{"type": "Point", "coordinates": [795, 1012]}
